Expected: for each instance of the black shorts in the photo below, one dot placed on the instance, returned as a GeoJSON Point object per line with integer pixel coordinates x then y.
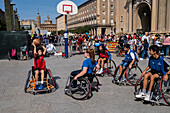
{"type": "Point", "coordinates": [156, 72]}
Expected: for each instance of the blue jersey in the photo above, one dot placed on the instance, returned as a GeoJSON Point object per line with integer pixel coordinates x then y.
{"type": "Point", "coordinates": [87, 63]}
{"type": "Point", "coordinates": [128, 56]}
{"type": "Point", "coordinates": [160, 64]}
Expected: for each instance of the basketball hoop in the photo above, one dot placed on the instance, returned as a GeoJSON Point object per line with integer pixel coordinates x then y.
{"type": "Point", "coordinates": [67, 7]}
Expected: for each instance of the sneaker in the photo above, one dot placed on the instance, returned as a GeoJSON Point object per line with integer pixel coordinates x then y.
{"type": "Point", "coordinates": [147, 97]}
{"type": "Point", "coordinates": [147, 59]}
{"type": "Point", "coordinates": [141, 58]}
{"type": "Point", "coordinates": [98, 71]}
{"type": "Point", "coordinates": [140, 95]}
{"type": "Point", "coordinates": [41, 86]}
{"type": "Point", "coordinates": [101, 71]}
{"type": "Point", "coordinates": [36, 87]}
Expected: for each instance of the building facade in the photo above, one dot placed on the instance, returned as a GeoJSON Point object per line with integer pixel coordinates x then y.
{"type": "Point", "coordinates": [26, 23]}
{"type": "Point", "coordinates": [60, 23]}
{"type": "Point", "coordinates": [47, 25]}
{"type": "Point", "coordinates": [99, 14]}
{"type": "Point", "coordinates": [142, 15]}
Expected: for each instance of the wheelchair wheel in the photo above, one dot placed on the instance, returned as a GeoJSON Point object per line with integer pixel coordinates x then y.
{"type": "Point", "coordinates": [51, 81]}
{"type": "Point", "coordinates": [82, 89]}
{"type": "Point", "coordinates": [111, 67]}
{"type": "Point", "coordinates": [133, 75]}
{"type": "Point", "coordinates": [165, 90]}
{"type": "Point", "coordinates": [139, 85]}
{"type": "Point", "coordinates": [95, 83]}
{"type": "Point", "coordinates": [27, 81]}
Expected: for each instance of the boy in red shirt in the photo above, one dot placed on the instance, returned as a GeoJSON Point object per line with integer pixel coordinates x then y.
{"type": "Point", "coordinates": [39, 64]}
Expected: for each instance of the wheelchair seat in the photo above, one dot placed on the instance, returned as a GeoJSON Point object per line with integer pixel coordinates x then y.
{"type": "Point", "coordinates": [49, 83]}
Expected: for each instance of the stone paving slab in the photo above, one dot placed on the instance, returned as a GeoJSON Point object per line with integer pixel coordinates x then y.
{"type": "Point", "coordinates": [111, 98]}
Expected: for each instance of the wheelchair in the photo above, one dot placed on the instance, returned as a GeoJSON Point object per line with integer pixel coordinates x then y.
{"type": "Point", "coordinates": [83, 89]}
{"type": "Point", "coordinates": [24, 53]}
{"type": "Point", "coordinates": [108, 68]}
{"type": "Point", "coordinates": [160, 93]}
{"type": "Point", "coordinates": [49, 83]}
{"type": "Point", "coordinates": [132, 75]}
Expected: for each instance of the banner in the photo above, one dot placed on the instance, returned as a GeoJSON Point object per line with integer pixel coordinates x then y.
{"type": "Point", "coordinates": [111, 46]}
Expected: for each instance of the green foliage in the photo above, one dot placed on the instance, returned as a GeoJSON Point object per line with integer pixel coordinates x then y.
{"type": "Point", "coordinates": [2, 25]}
{"type": "Point", "coordinates": [80, 30]}
{"type": "Point", "coordinates": [61, 32]}
{"type": "Point", "coordinates": [53, 32]}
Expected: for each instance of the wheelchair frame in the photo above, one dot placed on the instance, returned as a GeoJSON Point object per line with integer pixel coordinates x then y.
{"type": "Point", "coordinates": [156, 97]}
{"type": "Point", "coordinates": [126, 70]}
{"type": "Point", "coordinates": [68, 89]}
{"type": "Point", "coordinates": [30, 82]}
{"type": "Point", "coordinates": [108, 69]}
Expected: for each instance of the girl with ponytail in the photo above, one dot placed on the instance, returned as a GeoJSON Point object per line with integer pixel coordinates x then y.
{"type": "Point", "coordinates": [88, 65]}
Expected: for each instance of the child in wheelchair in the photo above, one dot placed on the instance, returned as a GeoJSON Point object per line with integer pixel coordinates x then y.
{"type": "Point", "coordinates": [104, 56]}
{"type": "Point", "coordinates": [130, 58]}
{"type": "Point", "coordinates": [87, 68]}
{"type": "Point", "coordinates": [158, 66]}
{"type": "Point", "coordinates": [39, 64]}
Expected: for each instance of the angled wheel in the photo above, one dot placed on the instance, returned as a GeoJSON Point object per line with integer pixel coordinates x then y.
{"type": "Point", "coordinates": [27, 81]}
{"type": "Point", "coordinates": [51, 82]}
{"type": "Point", "coordinates": [95, 83]}
{"type": "Point", "coordinates": [133, 75]}
{"type": "Point", "coordinates": [82, 90]}
{"type": "Point", "coordinates": [139, 86]}
{"type": "Point", "coordinates": [165, 90]}
{"type": "Point", "coordinates": [111, 68]}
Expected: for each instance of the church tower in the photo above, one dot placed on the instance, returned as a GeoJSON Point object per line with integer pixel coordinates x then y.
{"type": "Point", "coordinates": [38, 21]}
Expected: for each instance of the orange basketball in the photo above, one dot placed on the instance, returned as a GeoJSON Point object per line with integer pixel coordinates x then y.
{"type": "Point", "coordinates": [36, 42]}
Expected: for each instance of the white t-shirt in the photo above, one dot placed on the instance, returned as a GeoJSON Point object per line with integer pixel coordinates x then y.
{"type": "Point", "coordinates": [132, 55]}
{"type": "Point", "coordinates": [146, 37]}
{"type": "Point", "coordinates": [157, 43]}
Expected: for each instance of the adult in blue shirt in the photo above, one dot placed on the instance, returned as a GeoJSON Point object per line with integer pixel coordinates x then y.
{"type": "Point", "coordinates": [87, 67]}
{"type": "Point", "coordinates": [158, 66]}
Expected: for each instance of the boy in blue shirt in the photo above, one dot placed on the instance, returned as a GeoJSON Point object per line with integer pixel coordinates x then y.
{"type": "Point", "coordinates": [130, 58]}
{"type": "Point", "coordinates": [158, 66]}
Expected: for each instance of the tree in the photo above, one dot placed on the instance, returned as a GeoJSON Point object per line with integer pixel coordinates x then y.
{"type": "Point", "coordinates": [81, 30]}
{"type": "Point", "coordinates": [53, 32]}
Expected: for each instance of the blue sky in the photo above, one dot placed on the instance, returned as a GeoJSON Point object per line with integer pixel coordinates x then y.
{"type": "Point", "coordinates": [27, 9]}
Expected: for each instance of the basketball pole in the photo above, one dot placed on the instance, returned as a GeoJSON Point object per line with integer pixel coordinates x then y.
{"type": "Point", "coordinates": [66, 38]}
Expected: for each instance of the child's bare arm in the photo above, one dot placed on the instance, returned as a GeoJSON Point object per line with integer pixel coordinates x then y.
{"type": "Point", "coordinates": [45, 50]}
{"type": "Point", "coordinates": [35, 51]}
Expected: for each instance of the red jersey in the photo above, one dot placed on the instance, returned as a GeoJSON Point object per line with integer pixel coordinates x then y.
{"type": "Point", "coordinates": [80, 40]}
{"type": "Point", "coordinates": [104, 55]}
{"type": "Point", "coordinates": [39, 63]}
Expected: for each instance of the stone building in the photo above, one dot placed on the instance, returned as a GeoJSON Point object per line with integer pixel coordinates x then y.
{"type": "Point", "coordinates": [142, 15]}
{"type": "Point", "coordinates": [11, 16]}
{"type": "Point", "coordinates": [48, 25]}
{"type": "Point", "coordinates": [26, 23]}
{"type": "Point", "coordinates": [99, 14]}
{"type": "Point", "coordinates": [60, 23]}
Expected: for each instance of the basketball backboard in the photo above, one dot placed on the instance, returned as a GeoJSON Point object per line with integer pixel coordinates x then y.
{"type": "Point", "coordinates": [67, 7]}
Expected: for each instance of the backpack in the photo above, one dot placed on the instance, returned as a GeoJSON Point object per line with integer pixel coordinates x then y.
{"type": "Point", "coordinates": [13, 52]}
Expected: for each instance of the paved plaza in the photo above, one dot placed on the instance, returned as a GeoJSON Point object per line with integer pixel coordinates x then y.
{"type": "Point", "coordinates": [111, 98]}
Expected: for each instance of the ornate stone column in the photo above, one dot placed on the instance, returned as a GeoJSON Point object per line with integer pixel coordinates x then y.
{"type": "Point", "coordinates": [168, 16]}
{"type": "Point", "coordinates": [130, 16]}
{"type": "Point", "coordinates": [162, 11]}
{"type": "Point", "coordinates": [8, 15]}
{"type": "Point", "coordinates": [154, 21]}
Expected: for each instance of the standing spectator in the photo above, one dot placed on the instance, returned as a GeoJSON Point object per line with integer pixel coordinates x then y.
{"type": "Point", "coordinates": [145, 50]}
{"type": "Point", "coordinates": [80, 42]}
{"type": "Point", "coordinates": [146, 36]}
{"type": "Point", "coordinates": [166, 44]}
